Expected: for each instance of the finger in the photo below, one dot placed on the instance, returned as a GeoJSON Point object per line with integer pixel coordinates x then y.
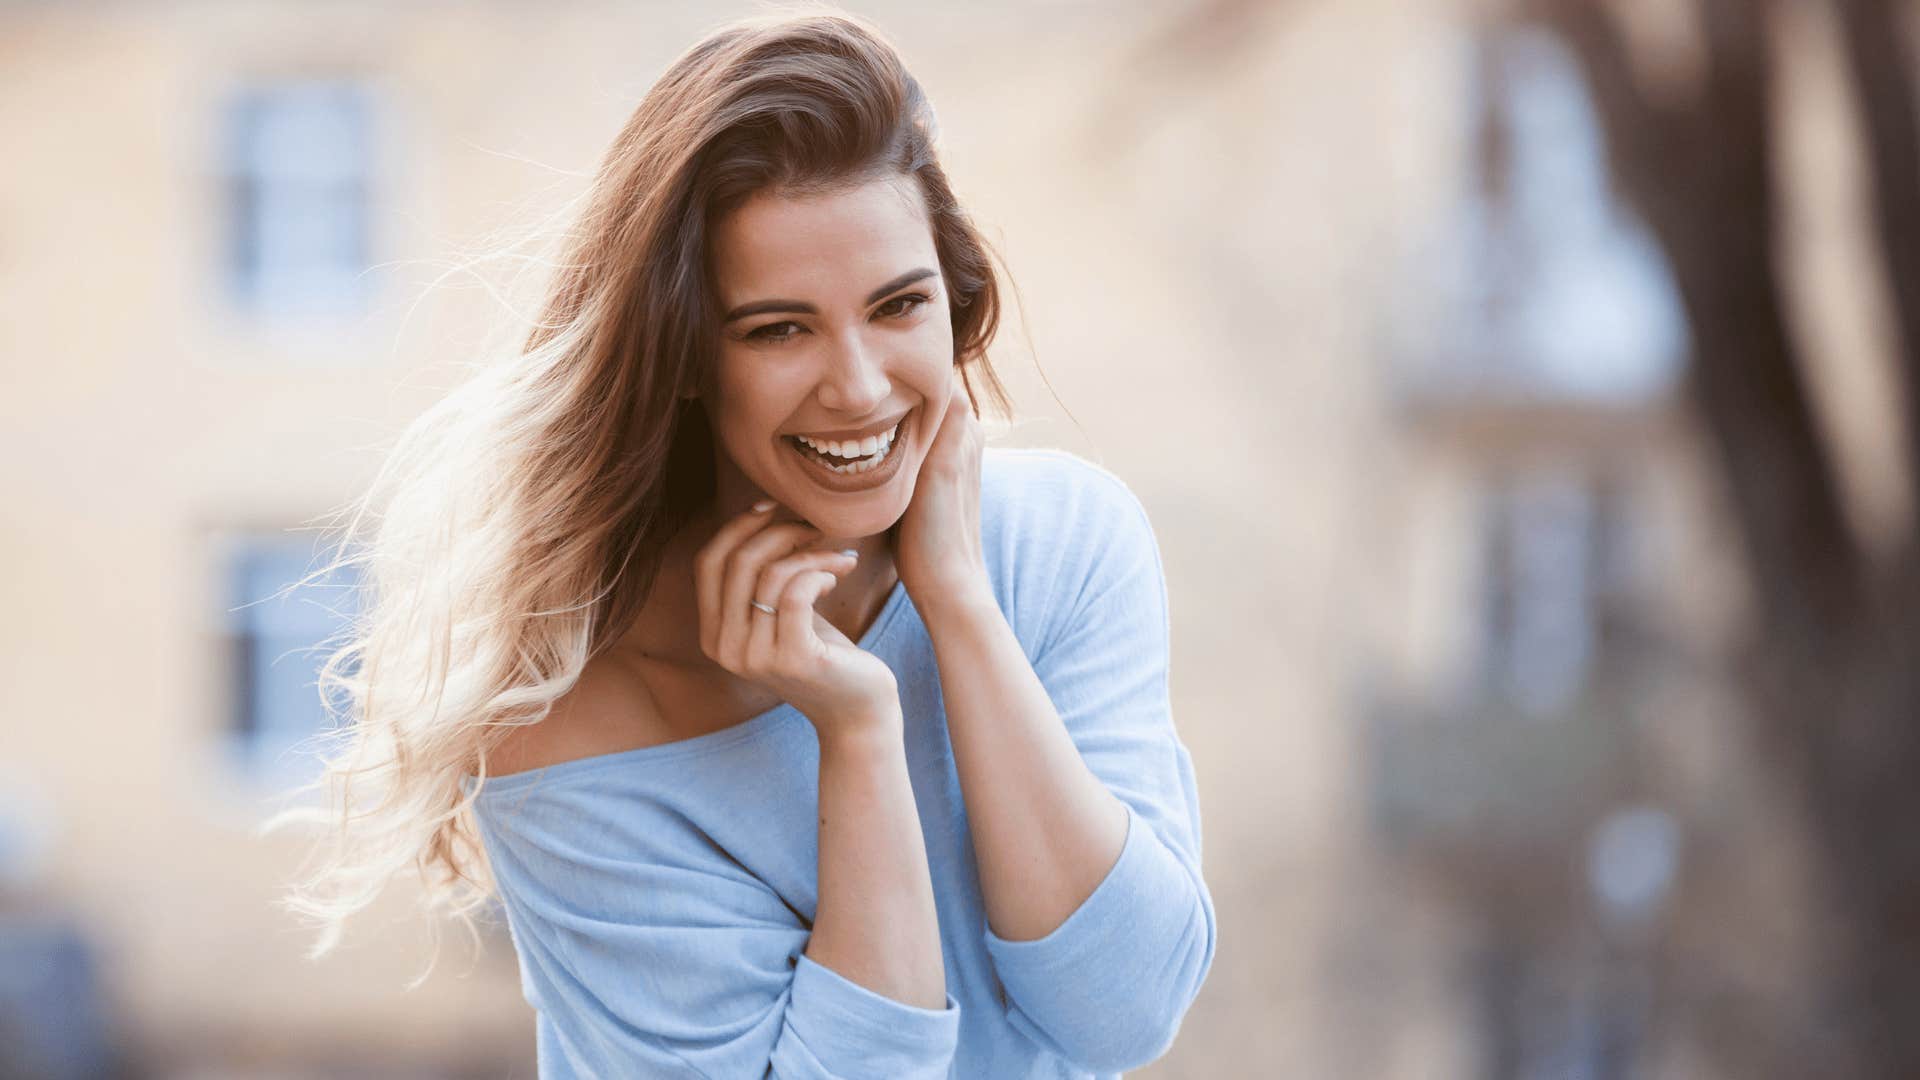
{"type": "Point", "coordinates": [953, 422]}
{"type": "Point", "coordinates": [761, 651]}
{"type": "Point", "coordinates": [709, 569]}
{"type": "Point", "coordinates": [742, 574]}
{"type": "Point", "coordinates": [959, 405]}
{"type": "Point", "coordinates": [797, 642]}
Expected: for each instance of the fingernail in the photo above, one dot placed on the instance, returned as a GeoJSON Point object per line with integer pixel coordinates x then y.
{"type": "Point", "coordinates": [850, 553]}
{"type": "Point", "coordinates": [763, 506]}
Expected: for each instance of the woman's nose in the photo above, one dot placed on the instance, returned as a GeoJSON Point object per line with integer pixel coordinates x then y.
{"type": "Point", "coordinates": [856, 380]}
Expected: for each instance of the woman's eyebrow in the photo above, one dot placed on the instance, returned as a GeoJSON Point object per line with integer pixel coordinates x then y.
{"type": "Point", "coordinates": [900, 282]}
{"type": "Point", "coordinates": [801, 307]}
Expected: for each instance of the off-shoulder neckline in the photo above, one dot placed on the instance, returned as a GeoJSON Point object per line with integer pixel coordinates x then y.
{"type": "Point", "coordinates": [682, 748]}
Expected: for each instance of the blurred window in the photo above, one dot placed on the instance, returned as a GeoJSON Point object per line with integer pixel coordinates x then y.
{"type": "Point", "coordinates": [279, 632]}
{"type": "Point", "coordinates": [1539, 284]}
{"type": "Point", "coordinates": [1556, 552]}
{"type": "Point", "coordinates": [298, 179]}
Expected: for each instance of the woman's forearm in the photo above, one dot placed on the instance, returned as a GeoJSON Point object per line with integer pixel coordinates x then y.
{"type": "Point", "coordinates": [876, 924]}
{"type": "Point", "coordinates": [1046, 831]}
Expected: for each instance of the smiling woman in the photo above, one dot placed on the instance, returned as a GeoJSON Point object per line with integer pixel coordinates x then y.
{"type": "Point", "coordinates": [796, 732]}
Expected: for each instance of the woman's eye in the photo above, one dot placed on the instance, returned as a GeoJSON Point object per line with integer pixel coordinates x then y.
{"type": "Point", "coordinates": [774, 332]}
{"type": "Point", "coordinates": [901, 305]}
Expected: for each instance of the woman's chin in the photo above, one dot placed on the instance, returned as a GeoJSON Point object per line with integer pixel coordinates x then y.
{"type": "Point", "coordinates": [849, 524]}
{"type": "Point", "coordinates": [852, 514]}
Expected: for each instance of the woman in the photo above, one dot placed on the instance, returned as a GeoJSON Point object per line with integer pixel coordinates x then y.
{"type": "Point", "coordinates": [795, 730]}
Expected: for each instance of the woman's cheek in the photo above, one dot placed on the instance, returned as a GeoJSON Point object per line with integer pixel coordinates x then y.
{"type": "Point", "coordinates": [936, 338]}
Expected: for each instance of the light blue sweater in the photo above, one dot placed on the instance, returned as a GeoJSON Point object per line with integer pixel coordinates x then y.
{"type": "Point", "coordinates": [660, 899]}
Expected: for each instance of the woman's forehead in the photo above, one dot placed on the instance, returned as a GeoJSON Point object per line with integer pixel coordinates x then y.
{"type": "Point", "coordinates": [822, 246]}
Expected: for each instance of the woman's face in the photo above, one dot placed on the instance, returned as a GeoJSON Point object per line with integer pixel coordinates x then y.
{"type": "Point", "coordinates": [834, 325]}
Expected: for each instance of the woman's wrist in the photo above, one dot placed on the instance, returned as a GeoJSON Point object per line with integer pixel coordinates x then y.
{"type": "Point", "coordinates": [879, 728]}
{"type": "Point", "coordinates": [965, 599]}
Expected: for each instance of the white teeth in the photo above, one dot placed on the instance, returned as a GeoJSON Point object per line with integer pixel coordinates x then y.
{"type": "Point", "coordinates": [858, 467]}
{"type": "Point", "coordinates": [854, 448]}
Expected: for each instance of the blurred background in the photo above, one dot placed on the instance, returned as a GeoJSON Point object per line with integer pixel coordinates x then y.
{"type": "Point", "coordinates": [1522, 393]}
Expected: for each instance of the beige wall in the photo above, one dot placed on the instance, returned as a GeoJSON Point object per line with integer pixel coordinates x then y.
{"type": "Point", "coordinates": [148, 420]}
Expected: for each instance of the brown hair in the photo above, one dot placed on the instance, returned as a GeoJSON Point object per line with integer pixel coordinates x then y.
{"type": "Point", "coordinates": [797, 105]}
{"type": "Point", "coordinates": [517, 525]}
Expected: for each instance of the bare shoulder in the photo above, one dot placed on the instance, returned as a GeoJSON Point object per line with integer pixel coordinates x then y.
{"type": "Point", "coordinates": [609, 709]}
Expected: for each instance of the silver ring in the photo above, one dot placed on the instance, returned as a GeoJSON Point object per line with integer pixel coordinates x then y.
{"type": "Point", "coordinates": [763, 607]}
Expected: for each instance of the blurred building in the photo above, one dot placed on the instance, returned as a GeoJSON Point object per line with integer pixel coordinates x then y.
{"type": "Point", "coordinates": [1338, 289]}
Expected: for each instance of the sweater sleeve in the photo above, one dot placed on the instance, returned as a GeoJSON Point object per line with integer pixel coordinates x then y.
{"type": "Point", "coordinates": [652, 952]}
{"type": "Point", "coordinates": [1108, 988]}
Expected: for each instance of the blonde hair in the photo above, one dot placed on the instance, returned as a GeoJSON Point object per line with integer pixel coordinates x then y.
{"type": "Point", "coordinates": [516, 526]}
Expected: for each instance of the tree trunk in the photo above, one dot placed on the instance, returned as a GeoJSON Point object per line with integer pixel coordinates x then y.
{"type": "Point", "coordinates": [1833, 668]}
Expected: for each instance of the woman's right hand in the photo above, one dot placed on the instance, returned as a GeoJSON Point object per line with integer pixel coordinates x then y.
{"type": "Point", "coordinates": [795, 652]}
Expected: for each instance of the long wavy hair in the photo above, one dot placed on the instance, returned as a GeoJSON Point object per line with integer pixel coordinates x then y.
{"type": "Point", "coordinates": [517, 525]}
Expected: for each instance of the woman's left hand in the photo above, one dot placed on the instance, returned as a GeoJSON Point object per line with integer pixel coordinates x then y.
{"type": "Point", "coordinates": [937, 542]}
